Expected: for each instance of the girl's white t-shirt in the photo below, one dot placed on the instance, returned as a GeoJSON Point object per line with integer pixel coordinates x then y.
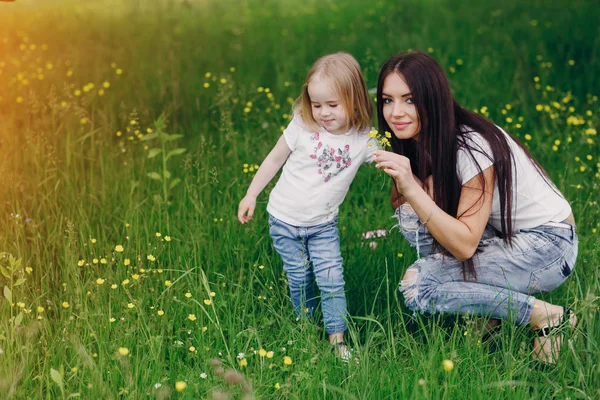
{"type": "Point", "coordinates": [534, 202]}
{"type": "Point", "coordinates": [318, 173]}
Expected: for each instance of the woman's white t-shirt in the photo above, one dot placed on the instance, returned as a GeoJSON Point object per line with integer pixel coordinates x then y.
{"type": "Point", "coordinates": [534, 202]}
{"type": "Point", "coordinates": [317, 174]}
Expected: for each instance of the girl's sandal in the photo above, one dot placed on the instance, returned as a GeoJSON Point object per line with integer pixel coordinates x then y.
{"type": "Point", "coordinates": [552, 336]}
{"type": "Point", "coordinates": [342, 351]}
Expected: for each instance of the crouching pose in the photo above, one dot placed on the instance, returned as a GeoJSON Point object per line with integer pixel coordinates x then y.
{"type": "Point", "coordinates": [491, 226]}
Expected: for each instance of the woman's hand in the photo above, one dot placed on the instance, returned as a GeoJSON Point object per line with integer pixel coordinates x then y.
{"type": "Point", "coordinates": [398, 167]}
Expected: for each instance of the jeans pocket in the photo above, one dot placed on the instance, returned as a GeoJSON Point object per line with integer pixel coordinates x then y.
{"type": "Point", "coordinates": [550, 277]}
{"type": "Point", "coordinates": [272, 221]}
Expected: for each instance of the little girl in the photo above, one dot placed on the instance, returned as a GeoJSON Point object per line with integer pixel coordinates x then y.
{"type": "Point", "coordinates": [320, 150]}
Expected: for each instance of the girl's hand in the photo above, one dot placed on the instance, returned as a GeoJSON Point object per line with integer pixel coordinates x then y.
{"type": "Point", "coordinates": [398, 167]}
{"type": "Point", "coordinates": [246, 209]}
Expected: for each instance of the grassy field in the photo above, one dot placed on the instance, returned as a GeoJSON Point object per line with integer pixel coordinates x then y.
{"type": "Point", "coordinates": [130, 130]}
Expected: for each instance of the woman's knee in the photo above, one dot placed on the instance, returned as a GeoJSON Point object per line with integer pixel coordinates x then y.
{"type": "Point", "coordinates": [408, 284]}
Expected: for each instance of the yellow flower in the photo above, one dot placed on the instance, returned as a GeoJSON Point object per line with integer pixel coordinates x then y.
{"type": "Point", "coordinates": [112, 320]}
{"type": "Point", "coordinates": [119, 248]}
{"type": "Point", "coordinates": [208, 302]}
{"type": "Point", "coordinates": [158, 234]}
{"type": "Point", "coordinates": [81, 263]}
{"type": "Point", "coordinates": [113, 286]}
{"type": "Point", "coordinates": [270, 354]}
{"type": "Point", "coordinates": [168, 283]}
{"type": "Point", "coordinates": [243, 362]}
{"type": "Point", "coordinates": [125, 282]}
{"type": "Point", "coordinates": [590, 131]}
{"type": "Point", "coordinates": [123, 351]}
{"type": "Point", "coordinates": [448, 365]}
{"type": "Point", "coordinates": [261, 267]}
{"type": "Point", "coordinates": [130, 305]}
{"type": "Point", "coordinates": [287, 360]}
{"type": "Point", "coordinates": [167, 238]}
{"type": "Point", "coordinates": [212, 294]}
{"type": "Point", "coordinates": [106, 84]}
{"type": "Point", "coordinates": [74, 370]}
{"type": "Point", "coordinates": [103, 261]}
{"type": "Point", "coordinates": [119, 71]}
{"type": "Point", "coordinates": [65, 304]}
{"type": "Point", "coordinates": [40, 309]}
{"type": "Point", "coordinates": [180, 386]}
{"type": "Point", "coordinates": [95, 261]}
{"type": "Point", "coordinates": [527, 136]}
{"type": "Point", "coordinates": [100, 281]}
{"type": "Point", "coordinates": [277, 386]}
{"type": "Point", "coordinates": [191, 317]}
{"type": "Point", "coordinates": [192, 349]}
{"type": "Point", "coordinates": [150, 257]}
{"type": "Point", "coordinates": [262, 352]}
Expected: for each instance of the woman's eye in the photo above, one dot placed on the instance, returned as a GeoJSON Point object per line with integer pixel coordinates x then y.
{"type": "Point", "coordinates": [387, 101]}
{"type": "Point", "coordinates": [410, 100]}
{"type": "Point", "coordinates": [333, 105]}
{"type": "Point", "coordinates": [316, 106]}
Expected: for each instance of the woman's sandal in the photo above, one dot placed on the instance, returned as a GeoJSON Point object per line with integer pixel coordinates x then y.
{"type": "Point", "coordinates": [553, 336]}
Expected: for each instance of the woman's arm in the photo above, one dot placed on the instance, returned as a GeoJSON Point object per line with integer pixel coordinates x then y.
{"type": "Point", "coordinates": [397, 199]}
{"type": "Point", "coordinates": [265, 173]}
{"type": "Point", "coordinates": [460, 236]}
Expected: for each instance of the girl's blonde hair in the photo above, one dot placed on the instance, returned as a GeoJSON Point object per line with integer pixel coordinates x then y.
{"type": "Point", "coordinates": [349, 84]}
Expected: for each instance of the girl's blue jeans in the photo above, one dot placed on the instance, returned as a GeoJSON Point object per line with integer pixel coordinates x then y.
{"type": "Point", "coordinates": [312, 253]}
{"type": "Point", "coordinates": [539, 260]}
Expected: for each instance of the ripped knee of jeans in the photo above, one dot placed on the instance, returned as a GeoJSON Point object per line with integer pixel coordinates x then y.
{"type": "Point", "coordinates": [408, 284]}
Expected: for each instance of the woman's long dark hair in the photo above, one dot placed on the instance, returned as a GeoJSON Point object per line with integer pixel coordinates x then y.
{"type": "Point", "coordinates": [444, 126]}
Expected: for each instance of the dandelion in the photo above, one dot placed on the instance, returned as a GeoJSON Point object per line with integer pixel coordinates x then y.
{"type": "Point", "coordinates": [287, 360]}
{"type": "Point", "coordinates": [160, 313]}
{"type": "Point", "coordinates": [119, 248]}
{"type": "Point", "coordinates": [124, 351]}
{"type": "Point", "coordinates": [206, 85]}
{"type": "Point", "coordinates": [191, 317]}
{"type": "Point", "coordinates": [40, 309]}
{"type": "Point", "coordinates": [126, 262]}
{"type": "Point", "coordinates": [180, 386]}
{"type": "Point", "coordinates": [448, 365]}
{"type": "Point", "coordinates": [65, 304]}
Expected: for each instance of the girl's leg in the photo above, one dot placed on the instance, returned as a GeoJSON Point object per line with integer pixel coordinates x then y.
{"type": "Point", "coordinates": [539, 260]}
{"type": "Point", "coordinates": [292, 249]}
{"type": "Point", "coordinates": [326, 258]}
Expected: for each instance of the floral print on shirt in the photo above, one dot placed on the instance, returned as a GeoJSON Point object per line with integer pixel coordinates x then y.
{"type": "Point", "coordinates": [330, 161]}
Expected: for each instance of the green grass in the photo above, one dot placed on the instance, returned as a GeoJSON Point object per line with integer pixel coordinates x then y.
{"type": "Point", "coordinates": [71, 192]}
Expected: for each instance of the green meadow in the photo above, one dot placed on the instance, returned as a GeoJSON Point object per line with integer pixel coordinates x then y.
{"type": "Point", "coordinates": [129, 132]}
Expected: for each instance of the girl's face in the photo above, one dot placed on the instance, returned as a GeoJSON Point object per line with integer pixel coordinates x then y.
{"type": "Point", "coordinates": [399, 111]}
{"type": "Point", "coordinates": [326, 107]}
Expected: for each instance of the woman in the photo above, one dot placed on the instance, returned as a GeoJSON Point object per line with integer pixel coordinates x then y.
{"type": "Point", "coordinates": [494, 229]}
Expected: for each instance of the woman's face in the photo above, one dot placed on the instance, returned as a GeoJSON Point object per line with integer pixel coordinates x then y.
{"type": "Point", "coordinates": [399, 110]}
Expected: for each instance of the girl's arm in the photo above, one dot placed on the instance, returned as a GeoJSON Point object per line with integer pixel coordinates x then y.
{"type": "Point", "coordinates": [269, 167]}
{"type": "Point", "coordinates": [460, 236]}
